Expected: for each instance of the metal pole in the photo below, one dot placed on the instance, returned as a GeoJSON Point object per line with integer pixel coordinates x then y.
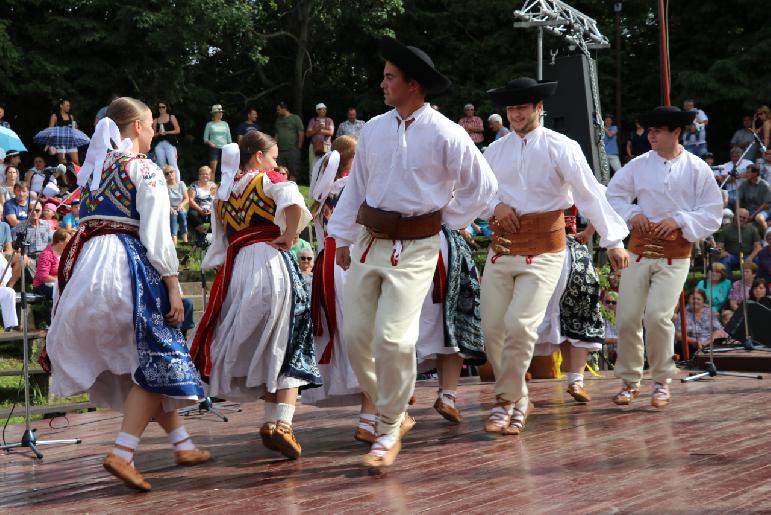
{"type": "Point", "coordinates": [618, 66]}
{"type": "Point", "coordinates": [539, 55]}
{"type": "Point", "coordinates": [664, 54]}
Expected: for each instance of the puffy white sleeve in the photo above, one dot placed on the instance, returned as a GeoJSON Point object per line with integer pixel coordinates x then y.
{"type": "Point", "coordinates": [707, 212]}
{"type": "Point", "coordinates": [217, 251]}
{"type": "Point", "coordinates": [589, 197]}
{"type": "Point", "coordinates": [154, 215]}
{"type": "Point", "coordinates": [491, 158]}
{"type": "Point", "coordinates": [342, 225]}
{"type": "Point", "coordinates": [621, 193]}
{"type": "Point", "coordinates": [285, 194]}
{"type": "Point", "coordinates": [475, 186]}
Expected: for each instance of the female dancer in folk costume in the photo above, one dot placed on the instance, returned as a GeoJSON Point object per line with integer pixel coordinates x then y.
{"type": "Point", "coordinates": [255, 339]}
{"type": "Point", "coordinates": [114, 330]}
{"type": "Point", "coordinates": [450, 321]}
{"type": "Point", "coordinates": [573, 323]}
{"type": "Point", "coordinates": [340, 384]}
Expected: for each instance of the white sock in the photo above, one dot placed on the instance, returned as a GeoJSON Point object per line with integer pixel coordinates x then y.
{"type": "Point", "coordinates": [181, 440]}
{"type": "Point", "coordinates": [369, 418]}
{"type": "Point", "coordinates": [270, 412]}
{"type": "Point", "coordinates": [574, 378]}
{"type": "Point", "coordinates": [128, 441]}
{"type": "Point", "coordinates": [386, 441]}
{"type": "Point", "coordinates": [522, 404]}
{"type": "Point", "coordinates": [284, 412]}
{"type": "Point", "coordinates": [448, 397]}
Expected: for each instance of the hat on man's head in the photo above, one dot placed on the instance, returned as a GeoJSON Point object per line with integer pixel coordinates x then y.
{"type": "Point", "coordinates": [415, 63]}
{"type": "Point", "coordinates": [667, 116]}
{"type": "Point", "coordinates": [216, 108]}
{"type": "Point", "coordinates": [11, 153]}
{"type": "Point", "coordinates": [523, 90]}
{"type": "Point", "coordinates": [321, 105]}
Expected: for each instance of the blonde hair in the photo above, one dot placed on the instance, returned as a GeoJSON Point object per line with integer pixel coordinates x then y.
{"type": "Point", "coordinates": [720, 268]}
{"type": "Point", "coordinates": [346, 146]}
{"type": "Point", "coordinates": [203, 169]}
{"type": "Point", "coordinates": [126, 110]}
{"type": "Point", "coordinates": [169, 168]}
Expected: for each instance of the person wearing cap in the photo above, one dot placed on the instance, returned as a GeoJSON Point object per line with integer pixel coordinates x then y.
{"type": "Point", "coordinates": [414, 170]}
{"type": "Point", "coordinates": [320, 130]}
{"type": "Point", "coordinates": [49, 215]}
{"type": "Point", "coordinates": [12, 158]}
{"type": "Point", "coordinates": [71, 221]}
{"type": "Point", "coordinates": [670, 200]}
{"type": "Point", "coordinates": [496, 125]}
{"type": "Point", "coordinates": [216, 135]}
{"type": "Point", "coordinates": [540, 174]}
{"type": "Point", "coordinates": [472, 124]}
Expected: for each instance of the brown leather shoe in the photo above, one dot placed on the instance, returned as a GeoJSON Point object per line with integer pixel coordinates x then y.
{"type": "Point", "coordinates": [578, 393]}
{"type": "Point", "coordinates": [123, 470]}
{"type": "Point", "coordinates": [284, 440]}
{"type": "Point", "coordinates": [626, 395]}
{"type": "Point", "coordinates": [450, 413]}
{"type": "Point", "coordinates": [365, 435]}
{"type": "Point", "coordinates": [516, 426]}
{"type": "Point", "coordinates": [266, 434]}
{"type": "Point", "coordinates": [194, 457]}
{"type": "Point", "coordinates": [661, 396]}
{"type": "Point", "coordinates": [499, 417]}
{"type": "Point", "coordinates": [408, 423]}
{"type": "Point", "coordinates": [387, 459]}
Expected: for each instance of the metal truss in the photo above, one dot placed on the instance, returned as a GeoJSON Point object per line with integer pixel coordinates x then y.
{"type": "Point", "coordinates": [561, 20]}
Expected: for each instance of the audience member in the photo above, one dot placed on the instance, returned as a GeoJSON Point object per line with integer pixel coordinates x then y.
{"type": "Point", "coordinates": [638, 143]}
{"type": "Point", "coordinates": [755, 195]}
{"type": "Point", "coordinates": [15, 209]}
{"type": "Point", "coordinates": [759, 289]}
{"type": "Point", "coordinates": [102, 112]}
{"type": "Point", "coordinates": [7, 298]}
{"type": "Point", "coordinates": [38, 165]}
{"type": "Point", "coordinates": [320, 130]}
{"type": "Point", "coordinates": [6, 238]}
{"type": "Point", "coordinates": [764, 163]}
{"type": "Point", "coordinates": [763, 124]}
{"type": "Point", "coordinates": [71, 221]}
{"type": "Point", "coordinates": [701, 325]}
{"type": "Point", "coordinates": [49, 215]}
{"type": "Point", "coordinates": [299, 246]}
{"type": "Point", "coordinates": [48, 264]}
{"type": "Point", "coordinates": [216, 135]}
{"type": "Point", "coordinates": [473, 125]}
{"type": "Point", "coordinates": [11, 179]}
{"type": "Point", "coordinates": [305, 257]}
{"type": "Point", "coordinates": [495, 122]}
{"type": "Point", "coordinates": [179, 200]}
{"type": "Point", "coordinates": [63, 118]}
{"type": "Point", "coordinates": [695, 137]}
{"type": "Point", "coordinates": [351, 126]}
{"type": "Point", "coordinates": [200, 195]}
{"type": "Point", "coordinates": [724, 174]}
{"type": "Point", "coordinates": [608, 311]}
{"type": "Point", "coordinates": [249, 125]}
{"type": "Point", "coordinates": [736, 296]}
{"type": "Point", "coordinates": [283, 170]}
{"type": "Point", "coordinates": [12, 158]}
{"type": "Point", "coordinates": [166, 129]}
{"type": "Point", "coordinates": [610, 141]}
{"type": "Point", "coordinates": [39, 235]}
{"type": "Point", "coordinates": [745, 137]}
{"type": "Point", "coordinates": [3, 122]}
{"type": "Point", "coordinates": [727, 239]}
{"type": "Point", "coordinates": [764, 258]}
{"type": "Point", "coordinates": [719, 285]}
{"type": "Point", "coordinates": [290, 135]}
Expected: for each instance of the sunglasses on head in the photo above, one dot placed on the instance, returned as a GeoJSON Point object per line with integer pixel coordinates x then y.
{"type": "Point", "coordinates": [306, 258]}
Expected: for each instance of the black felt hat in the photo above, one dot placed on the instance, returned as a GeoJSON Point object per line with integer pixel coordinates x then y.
{"type": "Point", "coordinates": [523, 90]}
{"type": "Point", "coordinates": [667, 116]}
{"type": "Point", "coordinates": [416, 63]}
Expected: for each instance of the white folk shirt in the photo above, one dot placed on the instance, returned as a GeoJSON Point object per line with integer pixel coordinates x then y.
{"type": "Point", "coordinates": [546, 171]}
{"type": "Point", "coordinates": [432, 165]}
{"type": "Point", "coordinates": [682, 188]}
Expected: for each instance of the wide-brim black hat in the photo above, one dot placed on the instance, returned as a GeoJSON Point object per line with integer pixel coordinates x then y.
{"type": "Point", "coordinates": [523, 90]}
{"type": "Point", "coordinates": [416, 63]}
{"type": "Point", "coordinates": [667, 116]}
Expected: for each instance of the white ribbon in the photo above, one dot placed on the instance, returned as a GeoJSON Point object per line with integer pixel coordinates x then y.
{"type": "Point", "coordinates": [231, 159]}
{"type": "Point", "coordinates": [105, 132]}
{"type": "Point", "coordinates": [326, 178]}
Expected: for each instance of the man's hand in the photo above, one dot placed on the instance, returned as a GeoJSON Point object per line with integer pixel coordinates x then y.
{"type": "Point", "coordinates": [618, 258]}
{"type": "Point", "coordinates": [343, 257]}
{"type": "Point", "coordinates": [506, 219]}
{"type": "Point", "coordinates": [641, 223]}
{"type": "Point", "coordinates": [664, 228]}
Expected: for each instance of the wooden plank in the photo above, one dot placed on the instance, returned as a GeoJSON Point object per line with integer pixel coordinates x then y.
{"type": "Point", "coordinates": [11, 373]}
{"type": "Point", "coordinates": [50, 408]}
{"type": "Point", "coordinates": [17, 336]}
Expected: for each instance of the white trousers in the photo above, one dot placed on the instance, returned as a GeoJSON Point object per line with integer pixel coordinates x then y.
{"type": "Point", "coordinates": [8, 307]}
{"type": "Point", "coordinates": [647, 296]}
{"type": "Point", "coordinates": [382, 303]}
{"type": "Point", "coordinates": [515, 294]}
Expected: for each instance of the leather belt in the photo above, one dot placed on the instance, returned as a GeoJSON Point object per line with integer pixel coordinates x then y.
{"type": "Point", "coordinates": [390, 225]}
{"type": "Point", "coordinates": [538, 233]}
{"type": "Point", "coordinates": [672, 247]}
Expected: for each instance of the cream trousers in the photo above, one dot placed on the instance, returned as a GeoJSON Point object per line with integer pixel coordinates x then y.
{"type": "Point", "coordinates": [383, 296]}
{"type": "Point", "coordinates": [515, 294]}
{"type": "Point", "coordinates": [647, 296]}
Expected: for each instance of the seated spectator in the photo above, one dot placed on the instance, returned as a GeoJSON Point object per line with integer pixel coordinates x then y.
{"type": "Point", "coordinates": [765, 165]}
{"type": "Point", "coordinates": [7, 298]}
{"type": "Point", "coordinates": [71, 221]}
{"type": "Point", "coordinates": [725, 316]}
{"type": "Point", "coordinates": [39, 235]}
{"type": "Point", "coordinates": [11, 158]}
{"type": "Point", "coordinates": [731, 182]}
{"type": "Point", "coordinates": [744, 137]}
{"type": "Point", "coordinates": [6, 239]}
{"type": "Point", "coordinates": [759, 289]}
{"type": "Point", "coordinates": [49, 215]}
{"type": "Point", "coordinates": [755, 196]}
{"type": "Point", "coordinates": [299, 246]}
{"type": "Point", "coordinates": [719, 285]}
{"type": "Point", "coordinates": [48, 264]}
{"type": "Point", "coordinates": [179, 201]}
{"type": "Point", "coordinates": [737, 295]}
{"type": "Point", "coordinates": [727, 240]}
{"type": "Point", "coordinates": [702, 325]}
{"type": "Point", "coordinates": [764, 258]}
{"type": "Point", "coordinates": [6, 189]}
{"type": "Point", "coordinates": [305, 258]}
{"type": "Point", "coordinates": [495, 122]}
{"type": "Point", "coordinates": [200, 195]}
{"type": "Point", "coordinates": [15, 209]}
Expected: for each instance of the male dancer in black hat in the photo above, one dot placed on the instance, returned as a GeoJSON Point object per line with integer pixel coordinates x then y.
{"type": "Point", "coordinates": [678, 203]}
{"type": "Point", "coordinates": [540, 174]}
{"type": "Point", "coordinates": [414, 170]}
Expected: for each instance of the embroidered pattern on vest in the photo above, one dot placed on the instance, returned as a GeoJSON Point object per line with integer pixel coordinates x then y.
{"type": "Point", "coordinates": [247, 208]}
{"type": "Point", "coordinates": [115, 186]}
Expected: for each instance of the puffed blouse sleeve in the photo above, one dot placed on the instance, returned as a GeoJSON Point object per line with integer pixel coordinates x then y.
{"type": "Point", "coordinates": [285, 194]}
{"type": "Point", "coordinates": [154, 215]}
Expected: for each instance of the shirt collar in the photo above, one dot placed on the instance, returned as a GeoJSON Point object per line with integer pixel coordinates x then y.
{"type": "Point", "coordinates": [660, 160]}
{"type": "Point", "coordinates": [530, 136]}
{"type": "Point", "coordinates": [415, 115]}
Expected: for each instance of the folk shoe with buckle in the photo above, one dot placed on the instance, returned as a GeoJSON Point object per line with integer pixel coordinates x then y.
{"type": "Point", "coordinates": [661, 396]}
{"type": "Point", "coordinates": [367, 434]}
{"type": "Point", "coordinates": [450, 413]}
{"type": "Point", "coordinates": [123, 470]}
{"type": "Point", "coordinates": [499, 418]}
{"type": "Point", "coordinates": [266, 434]}
{"type": "Point", "coordinates": [518, 419]}
{"type": "Point", "coordinates": [408, 423]}
{"type": "Point", "coordinates": [627, 394]}
{"type": "Point", "coordinates": [380, 455]}
{"type": "Point", "coordinates": [578, 393]}
{"type": "Point", "coordinates": [284, 440]}
{"type": "Point", "coordinates": [192, 457]}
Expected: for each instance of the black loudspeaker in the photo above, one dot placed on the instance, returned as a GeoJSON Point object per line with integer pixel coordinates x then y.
{"type": "Point", "coordinates": [570, 111]}
{"type": "Point", "coordinates": [759, 315]}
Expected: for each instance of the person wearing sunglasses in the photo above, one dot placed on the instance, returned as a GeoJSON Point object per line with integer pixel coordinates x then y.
{"type": "Point", "coordinates": [167, 130]}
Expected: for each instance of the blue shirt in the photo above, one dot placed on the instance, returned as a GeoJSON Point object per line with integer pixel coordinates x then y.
{"type": "Point", "coordinates": [611, 144]}
{"type": "Point", "coordinates": [245, 127]}
{"type": "Point", "coordinates": [5, 234]}
{"type": "Point", "coordinates": [13, 208]}
{"type": "Point", "coordinates": [501, 133]}
{"type": "Point", "coordinates": [71, 220]}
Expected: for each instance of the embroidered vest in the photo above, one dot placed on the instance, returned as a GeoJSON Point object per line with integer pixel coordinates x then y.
{"type": "Point", "coordinates": [248, 208]}
{"type": "Point", "coordinates": [116, 196]}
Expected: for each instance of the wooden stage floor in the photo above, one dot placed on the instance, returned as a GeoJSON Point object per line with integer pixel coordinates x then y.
{"type": "Point", "coordinates": [709, 451]}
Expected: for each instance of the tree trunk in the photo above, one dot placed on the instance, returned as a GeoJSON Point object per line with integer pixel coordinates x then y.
{"type": "Point", "coordinates": [303, 9]}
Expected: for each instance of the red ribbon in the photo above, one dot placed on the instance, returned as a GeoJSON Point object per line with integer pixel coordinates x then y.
{"type": "Point", "coordinates": [323, 295]}
{"type": "Point", "coordinates": [440, 281]}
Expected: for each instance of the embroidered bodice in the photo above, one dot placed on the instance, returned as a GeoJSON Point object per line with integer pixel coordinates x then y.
{"type": "Point", "coordinates": [248, 204]}
{"type": "Point", "coordinates": [116, 196]}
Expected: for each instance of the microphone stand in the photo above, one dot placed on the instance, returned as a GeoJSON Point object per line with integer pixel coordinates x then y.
{"type": "Point", "coordinates": [28, 439]}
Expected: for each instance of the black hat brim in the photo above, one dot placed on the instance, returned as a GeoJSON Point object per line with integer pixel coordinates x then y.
{"type": "Point", "coordinates": [506, 96]}
{"type": "Point", "coordinates": [667, 119]}
{"type": "Point", "coordinates": [406, 60]}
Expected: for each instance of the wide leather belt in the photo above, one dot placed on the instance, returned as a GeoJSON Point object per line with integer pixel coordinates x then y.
{"type": "Point", "coordinates": [647, 246]}
{"type": "Point", "coordinates": [538, 233]}
{"type": "Point", "coordinates": [390, 225]}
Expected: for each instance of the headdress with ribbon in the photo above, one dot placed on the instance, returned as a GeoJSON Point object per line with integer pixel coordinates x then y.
{"type": "Point", "coordinates": [325, 179]}
{"type": "Point", "coordinates": [231, 159]}
{"type": "Point", "coordinates": [106, 134]}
